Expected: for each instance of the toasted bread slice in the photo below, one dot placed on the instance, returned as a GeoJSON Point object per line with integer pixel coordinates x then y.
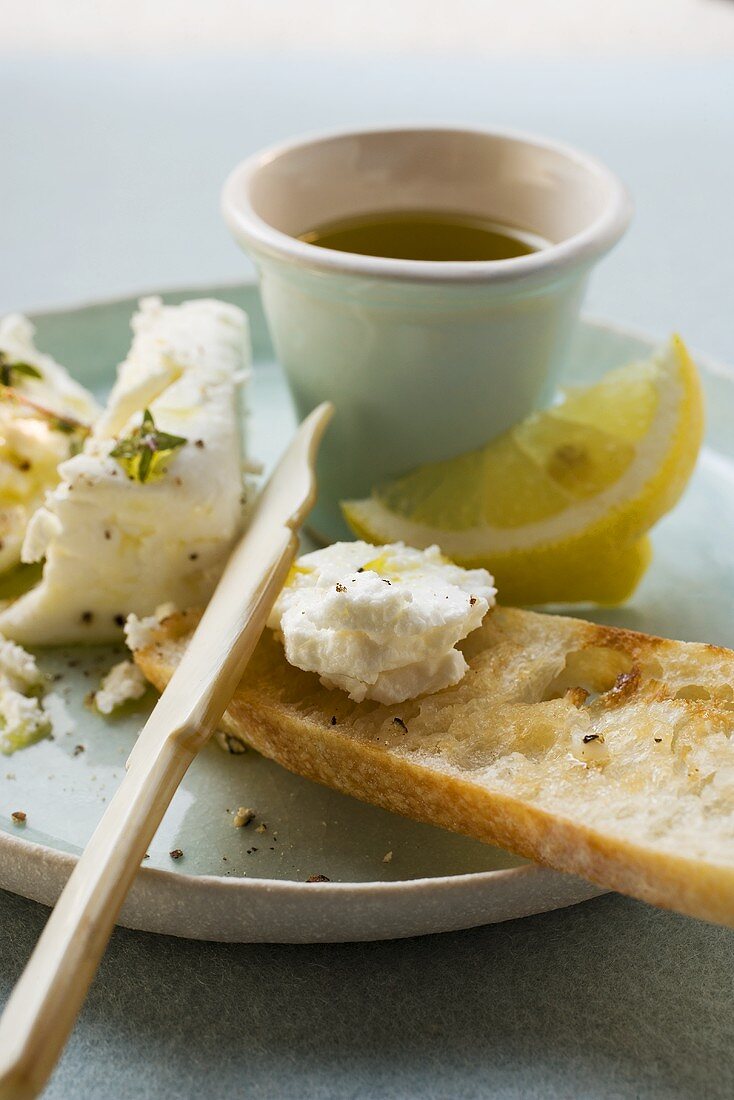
{"type": "Point", "coordinates": [593, 750]}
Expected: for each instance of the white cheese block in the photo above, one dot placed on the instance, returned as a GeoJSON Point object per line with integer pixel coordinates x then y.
{"type": "Point", "coordinates": [113, 545]}
{"type": "Point", "coordinates": [32, 442]}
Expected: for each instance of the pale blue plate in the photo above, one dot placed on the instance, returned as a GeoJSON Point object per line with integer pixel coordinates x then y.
{"type": "Point", "coordinates": [237, 884]}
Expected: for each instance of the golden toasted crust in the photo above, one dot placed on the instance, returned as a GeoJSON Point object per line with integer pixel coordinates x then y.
{"type": "Point", "coordinates": [597, 751]}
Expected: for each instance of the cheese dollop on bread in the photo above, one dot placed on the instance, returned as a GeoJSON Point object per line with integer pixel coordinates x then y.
{"type": "Point", "coordinates": [381, 622]}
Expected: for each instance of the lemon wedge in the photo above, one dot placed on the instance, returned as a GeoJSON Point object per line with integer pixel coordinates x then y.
{"type": "Point", "coordinates": [558, 508]}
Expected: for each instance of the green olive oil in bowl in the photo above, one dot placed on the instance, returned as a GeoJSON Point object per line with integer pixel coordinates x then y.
{"type": "Point", "coordinates": [424, 235]}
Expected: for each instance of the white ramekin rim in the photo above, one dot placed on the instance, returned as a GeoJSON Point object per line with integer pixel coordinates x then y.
{"type": "Point", "coordinates": [580, 250]}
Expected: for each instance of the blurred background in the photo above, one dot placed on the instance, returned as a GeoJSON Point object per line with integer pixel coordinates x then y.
{"type": "Point", "coordinates": [119, 121]}
{"type": "Point", "coordinates": [484, 27]}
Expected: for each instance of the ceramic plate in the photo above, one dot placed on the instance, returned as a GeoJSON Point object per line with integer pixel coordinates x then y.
{"type": "Point", "coordinates": [241, 884]}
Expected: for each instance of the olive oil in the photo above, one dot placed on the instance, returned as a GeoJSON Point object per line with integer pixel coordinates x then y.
{"type": "Point", "coordinates": [424, 235]}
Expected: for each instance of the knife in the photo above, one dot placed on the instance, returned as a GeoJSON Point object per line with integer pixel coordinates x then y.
{"type": "Point", "coordinates": [41, 1011]}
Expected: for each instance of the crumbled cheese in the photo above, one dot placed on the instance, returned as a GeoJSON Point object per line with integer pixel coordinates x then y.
{"type": "Point", "coordinates": [122, 684]}
{"type": "Point", "coordinates": [139, 633]}
{"type": "Point", "coordinates": [22, 720]}
{"type": "Point", "coordinates": [22, 717]}
{"type": "Point", "coordinates": [380, 622]}
{"type": "Point", "coordinates": [18, 668]}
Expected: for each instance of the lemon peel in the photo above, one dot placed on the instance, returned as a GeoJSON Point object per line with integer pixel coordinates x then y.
{"type": "Point", "coordinates": [559, 507]}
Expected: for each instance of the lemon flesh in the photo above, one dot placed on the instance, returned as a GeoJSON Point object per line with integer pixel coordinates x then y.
{"type": "Point", "coordinates": [559, 507]}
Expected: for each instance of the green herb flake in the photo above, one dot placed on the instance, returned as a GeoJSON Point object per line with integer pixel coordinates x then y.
{"type": "Point", "coordinates": [8, 368]}
{"type": "Point", "coordinates": [68, 427]}
{"type": "Point", "coordinates": [143, 453]}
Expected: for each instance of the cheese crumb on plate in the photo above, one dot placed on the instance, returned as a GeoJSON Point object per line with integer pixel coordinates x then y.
{"type": "Point", "coordinates": [124, 683]}
{"type": "Point", "coordinates": [22, 717]}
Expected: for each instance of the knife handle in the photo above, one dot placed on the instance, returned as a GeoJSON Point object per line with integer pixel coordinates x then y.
{"type": "Point", "coordinates": [41, 1011]}
{"type": "Point", "coordinates": [46, 1000]}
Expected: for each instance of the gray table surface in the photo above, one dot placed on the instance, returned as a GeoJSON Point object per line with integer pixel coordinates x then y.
{"type": "Point", "coordinates": [109, 184]}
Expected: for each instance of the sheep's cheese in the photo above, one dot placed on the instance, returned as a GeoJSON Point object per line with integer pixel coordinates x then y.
{"type": "Point", "coordinates": [380, 623]}
{"type": "Point", "coordinates": [116, 543]}
{"type": "Point", "coordinates": [22, 717]}
{"type": "Point", "coordinates": [123, 684]}
{"type": "Point", "coordinates": [44, 416]}
{"type": "Point", "coordinates": [140, 633]}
